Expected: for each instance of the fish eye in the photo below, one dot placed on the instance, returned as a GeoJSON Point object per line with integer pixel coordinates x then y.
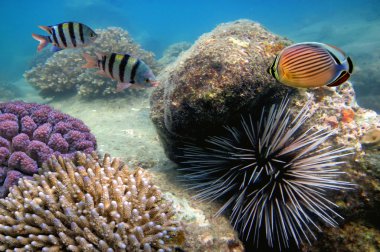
{"type": "Point", "coordinates": [92, 34]}
{"type": "Point", "coordinates": [147, 80]}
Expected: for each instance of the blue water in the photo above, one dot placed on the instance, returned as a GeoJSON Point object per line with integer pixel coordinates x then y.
{"type": "Point", "coordinates": [156, 24]}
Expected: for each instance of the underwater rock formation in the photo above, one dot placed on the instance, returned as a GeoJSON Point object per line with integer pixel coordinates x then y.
{"type": "Point", "coordinates": [30, 133]}
{"type": "Point", "coordinates": [88, 204]}
{"type": "Point", "coordinates": [221, 75]}
{"type": "Point", "coordinates": [172, 53]}
{"type": "Point", "coordinates": [62, 72]}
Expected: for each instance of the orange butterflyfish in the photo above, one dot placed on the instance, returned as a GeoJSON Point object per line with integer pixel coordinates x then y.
{"type": "Point", "coordinates": [311, 64]}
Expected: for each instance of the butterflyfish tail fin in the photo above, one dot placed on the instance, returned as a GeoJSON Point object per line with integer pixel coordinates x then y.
{"type": "Point", "coordinates": [91, 62]}
{"type": "Point", "coordinates": [44, 41]}
{"type": "Point", "coordinates": [343, 77]}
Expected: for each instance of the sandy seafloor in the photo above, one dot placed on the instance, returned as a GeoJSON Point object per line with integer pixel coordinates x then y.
{"type": "Point", "coordinates": [121, 125]}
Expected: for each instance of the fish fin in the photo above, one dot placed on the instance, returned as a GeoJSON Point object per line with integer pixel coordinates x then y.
{"type": "Point", "coordinates": [343, 77]}
{"type": "Point", "coordinates": [336, 48]}
{"type": "Point", "coordinates": [100, 54]}
{"type": "Point", "coordinates": [101, 73]}
{"type": "Point", "coordinates": [91, 62]}
{"type": "Point", "coordinates": [155, 83]}
{"type": "Point", "coordinates": [48, 29]}
{"type": "Point", "coordinates": [44, 41]}
{"type": "Point", "coordinates": [122, 85]}
{"type": "Point", "coordinates": [55, 48]}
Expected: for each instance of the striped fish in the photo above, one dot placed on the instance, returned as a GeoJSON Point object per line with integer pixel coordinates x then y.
{"type": "Point", "coordinates": [66, 35]}
{"type": "Point", "coordinates": [311, 64]}
{"type": "Point", "coordinates": [123, 68]}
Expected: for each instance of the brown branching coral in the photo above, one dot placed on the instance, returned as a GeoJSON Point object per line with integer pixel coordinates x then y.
{"type": "Point", "coordinates": [87, 204]}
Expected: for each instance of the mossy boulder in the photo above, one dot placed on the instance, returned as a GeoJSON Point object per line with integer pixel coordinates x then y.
{"type": "Point", "coordinates": [222, 75]}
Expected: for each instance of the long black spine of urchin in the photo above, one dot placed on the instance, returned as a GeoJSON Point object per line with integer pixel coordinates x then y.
{"type": "Point", "coordinates": [271, 174]}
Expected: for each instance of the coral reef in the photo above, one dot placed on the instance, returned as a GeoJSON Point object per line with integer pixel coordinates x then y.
{"type": "Point", "coordinates": [63, 73]}
{"type": "Point", "coordinates": [371, 138]}
{"type": "Point", "coordinates": [351, 237]}
{"type": "Point", "coordinates": [88, 204]}
{"type": "Point", "coordinates": [221, 75]}
{"type": "Point", "coordinates": [271, 174]}
{"type": "Point", "coordinates": [30, 133]}
{"type": "Point", "coordinates": [172, 53]}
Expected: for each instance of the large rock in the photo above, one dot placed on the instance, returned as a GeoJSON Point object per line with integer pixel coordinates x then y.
{"type": "Point", "coordinates": [222, 75]}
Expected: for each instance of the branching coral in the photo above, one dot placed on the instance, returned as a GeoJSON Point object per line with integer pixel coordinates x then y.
{"type": "Point", "coordinates": [62, 72]}
{"type": "Point", "coordinates": [30, 133]}
{"type": "Point", "coordinates": [87, 204]}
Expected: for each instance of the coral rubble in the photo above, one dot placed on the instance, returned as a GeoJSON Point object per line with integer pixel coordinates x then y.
{"type": "Point", "coordinates": [222, 74]}
{"type": "Point", "coordinates": [30, 133]}
{"type": "Point", "coordinates": [88, 204]}
{"type": "Point", "coordinates": [62, 72]}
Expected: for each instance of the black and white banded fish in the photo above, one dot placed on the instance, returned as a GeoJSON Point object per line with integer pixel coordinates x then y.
{"type": "Point", "coordinates": [311, 64]}
{"type": "Point", "coordinates": [123, 68]}
{"type": "Point", "coordinates": [65, 35]}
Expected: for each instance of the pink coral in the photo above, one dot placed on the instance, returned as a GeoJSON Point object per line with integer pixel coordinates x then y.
{"type": "Point", "coordinates": [30, 133]}
{"type": "Point", "coordinates": [20, 142]}
{"type": "Point", "coordinates": [11, 178]}
{"type": "Point", "coordinates": [23, 163]}
{"type": "Point", "coordinates": [58, 143]}
{"type": "Point", "coordinates": [8, 129]}
{"type": "Point", "coordinates": [4, 142]}
{"type": "Point", "coordinates": [4, 155]}
{"type": "Point", "coordinates": [39, 151]}
{"type": "Point", "coordinates": [28, 125]}
{"type": "Point", "coordinates": [7, 116]}
{"type": "Point", "coordinates": [42, 133]}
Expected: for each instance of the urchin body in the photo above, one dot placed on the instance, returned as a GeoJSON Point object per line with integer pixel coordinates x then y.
{"type": "Point", "coordinates": [272, 174]}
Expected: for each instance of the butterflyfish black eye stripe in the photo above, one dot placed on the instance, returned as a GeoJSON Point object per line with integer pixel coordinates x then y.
{"type": "Point", "coordinates": [81, 33]}
{"type": "Point", "coordinates": [104, 58]}
{"type": "Point", "coordinates": [350, 65]}
{"type": "Point", "coordinates": [72, 35]}
{"type": "Point", "coordinates": [110, 63]}
{"type": "Point", "coordinates": [62, 35]}
{"type": "Point", "coordinates": [335, 58]}
{"type": "Point", "coordinates": [122, 66]}
{"type": "Point", "coordinates": [134, 71]}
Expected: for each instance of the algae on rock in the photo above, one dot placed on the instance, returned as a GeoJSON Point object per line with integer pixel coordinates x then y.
{"type": "Point", "coordinates": [221, 75]}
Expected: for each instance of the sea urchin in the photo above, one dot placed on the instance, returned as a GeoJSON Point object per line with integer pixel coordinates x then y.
{"type": "Point", "coordinates": [271, 173]}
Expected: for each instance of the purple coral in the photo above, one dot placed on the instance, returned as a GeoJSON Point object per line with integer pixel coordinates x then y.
{"type": "Point", "coordinates": [20, 142]}
{"type": "Point", "coordinates": [30, 133]}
